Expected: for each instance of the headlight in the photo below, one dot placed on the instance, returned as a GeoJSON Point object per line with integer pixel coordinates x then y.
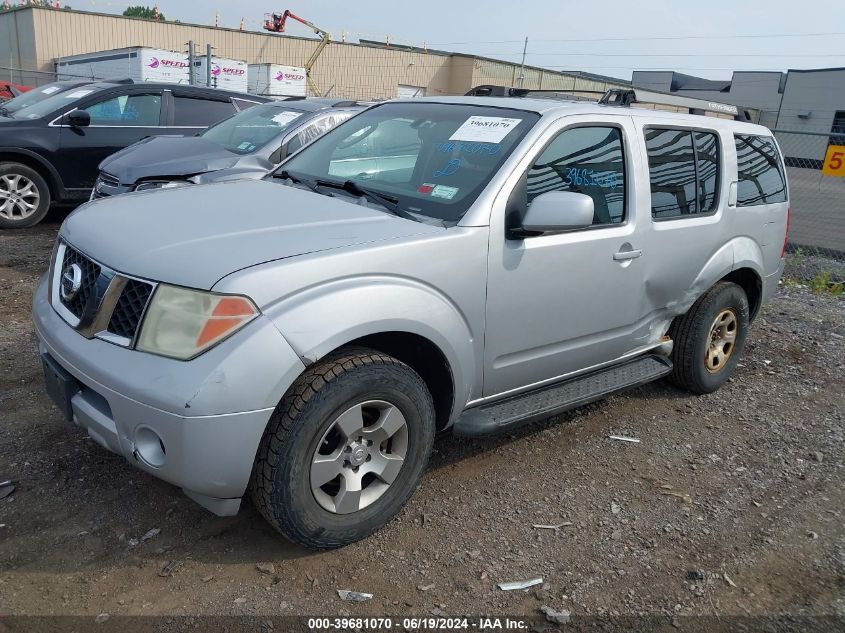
{"type": "Point", "coordinates": [161, 184]}
{"type": "Point", "coordinates": [183, 323]}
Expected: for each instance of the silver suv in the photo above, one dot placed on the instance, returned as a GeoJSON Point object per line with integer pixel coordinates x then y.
{"type": "Point", "coordinates": [465, 263]}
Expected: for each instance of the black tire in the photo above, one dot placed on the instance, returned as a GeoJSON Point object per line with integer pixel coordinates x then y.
{"type": "Point", "coordinates": [691, 334]}
{"type": "Point", "coordinates": [280, 485]}
{"type": "Point", "coordinates": [41, 188]}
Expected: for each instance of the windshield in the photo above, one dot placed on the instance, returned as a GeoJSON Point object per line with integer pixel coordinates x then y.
{"type": "Point", "coordinates": [247, 131]}
{"type": "Point", "coordinates": [51, 103]}
{"type": "Point", "coordinates": [33, 96]}
{"type": "Point", "coordinates": [433, 158]}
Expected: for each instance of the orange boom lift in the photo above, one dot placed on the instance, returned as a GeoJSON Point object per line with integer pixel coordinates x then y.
{"type": "Point", "coordinates": [275, 22]}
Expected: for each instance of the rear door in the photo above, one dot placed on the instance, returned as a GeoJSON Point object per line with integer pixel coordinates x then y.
{"type": "Point", "coordinates": [119, 117]}
{"type": "Point", "coordinates": [690, 219]}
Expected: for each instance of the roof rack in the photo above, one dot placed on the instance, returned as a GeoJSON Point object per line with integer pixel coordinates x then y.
{"type": "Point", "coordinates": [625, 97]}
{"type": "Point", "coordinates": [488, 90]}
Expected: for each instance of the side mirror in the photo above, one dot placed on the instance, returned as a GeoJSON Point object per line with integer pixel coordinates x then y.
{"type": "Point", "coordinates": [79, 118]}
{"type": "Point", "coordinates": [557, 211]}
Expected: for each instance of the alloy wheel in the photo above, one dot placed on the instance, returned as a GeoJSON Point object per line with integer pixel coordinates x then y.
{"type": "Point", "coordinates": [19, 197]}
{"type": "Point", "coordinates": [359, 456]}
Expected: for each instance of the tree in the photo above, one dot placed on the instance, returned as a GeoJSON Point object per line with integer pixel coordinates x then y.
{"type": "Point", "coordinates": [139, 11]}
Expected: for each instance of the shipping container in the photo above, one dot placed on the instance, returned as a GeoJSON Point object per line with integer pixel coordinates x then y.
{"type": "Point", "coordinates": [275, 80]}
{"type": "Point", "coordinates": [228, 74]}
{"type": "Point", "coordinates": [140, 64]}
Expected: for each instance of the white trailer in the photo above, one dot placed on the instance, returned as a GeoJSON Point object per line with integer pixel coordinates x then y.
{"type": "Point", "coordinates": [138, 63]}
{"type": "Point", "coordinates": [275, 80]}
{"type": "Point", "coordinates": [228, 74]}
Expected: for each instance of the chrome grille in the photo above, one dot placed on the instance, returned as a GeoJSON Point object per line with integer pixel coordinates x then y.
{"type": "Point", "coordinates": [107, 304]}
{"type": "Point", "coordinates": [130, 308]}
{"type": "Point", "coordinates": [90, 274]}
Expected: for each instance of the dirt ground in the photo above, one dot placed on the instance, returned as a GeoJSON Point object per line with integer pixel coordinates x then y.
{"type": "Point", "coordinates": [730, 505]}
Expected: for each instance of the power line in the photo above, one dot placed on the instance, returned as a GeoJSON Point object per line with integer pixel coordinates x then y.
{"type": "Point", "coordinates": [645, 39]}
{"type": "Point", "coordinates": [684, 54]}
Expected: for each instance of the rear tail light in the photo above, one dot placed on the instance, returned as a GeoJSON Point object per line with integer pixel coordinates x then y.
{"type": "Point", "coordinates": [786, 233]}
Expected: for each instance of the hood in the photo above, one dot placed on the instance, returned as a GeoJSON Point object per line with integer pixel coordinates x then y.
{"type": "Point", "coordinates": [167, 156]}
{"type": "Point", "coordinates": [194, 236]}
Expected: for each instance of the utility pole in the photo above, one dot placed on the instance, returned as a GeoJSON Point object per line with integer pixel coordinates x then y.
{"type": "Point", "coordinates": [208, 65]}
{"type": "Point", "coordinates": [522, 66]}
{"type": "Point", "coordinates": [191, 63]}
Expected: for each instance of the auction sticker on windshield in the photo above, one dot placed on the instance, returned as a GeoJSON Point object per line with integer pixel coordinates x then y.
{"type": "Point", "coordinates": [484, 129]}
{"type": "Point", "coordinates": [284, 118]}
{"type": "Point", "coordinates": [442, 191]}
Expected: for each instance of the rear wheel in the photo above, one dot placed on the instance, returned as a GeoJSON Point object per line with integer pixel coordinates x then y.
{"type": "Point", "coordinates": [344, 450]}
{"type": "Point", "coordinates": [709, 339]}
{"type": "Point", "coordinates": [24, 196]}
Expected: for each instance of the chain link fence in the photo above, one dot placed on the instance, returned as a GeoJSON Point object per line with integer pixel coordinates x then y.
{"type": "Point", "coordinates": [817, 229]}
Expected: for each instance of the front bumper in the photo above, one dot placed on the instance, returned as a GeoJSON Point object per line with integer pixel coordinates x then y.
{"type": "Point", "coordinates": [196, 424]}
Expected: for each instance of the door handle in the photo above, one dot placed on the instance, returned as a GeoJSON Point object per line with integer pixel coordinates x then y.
{"type": "Point", "coordinates": [622, 256]}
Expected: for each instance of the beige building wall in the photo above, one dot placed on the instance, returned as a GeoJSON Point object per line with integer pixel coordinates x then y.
{"type": "Point", "coordinates": [33, 38]}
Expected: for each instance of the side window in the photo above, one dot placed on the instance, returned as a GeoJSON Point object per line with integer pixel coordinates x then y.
{"type": "Point", "coordinates": [316, 129]}
{"type": "Point", "coordinates": [684, 171]}
{"type": "Point", "coordinates": [588, 160]}
{"type": "Point", "coordinates": [760, 180]}
{"type": "Point", "coordinates": [193, 112]}
{"type": "Point", "coordinates": [671, 168]}
{"type": "Point", "coordinates": [127, 110]}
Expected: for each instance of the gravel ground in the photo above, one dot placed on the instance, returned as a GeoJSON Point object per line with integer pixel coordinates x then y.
{"type": "Point", "coordinates": [731, 504]}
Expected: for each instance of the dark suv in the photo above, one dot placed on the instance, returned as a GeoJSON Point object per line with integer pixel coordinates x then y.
{"type": "Point", "coordinates": [49, 151]}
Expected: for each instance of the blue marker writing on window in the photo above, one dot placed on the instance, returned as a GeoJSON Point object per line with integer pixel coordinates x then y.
{"type": "Point", "coordinates": [468, 147]}
{"type": "Point", "coordinates": [451, 167]}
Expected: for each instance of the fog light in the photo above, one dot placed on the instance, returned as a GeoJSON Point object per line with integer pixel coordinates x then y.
{"type": "Point", "coordinates": [149, 446]}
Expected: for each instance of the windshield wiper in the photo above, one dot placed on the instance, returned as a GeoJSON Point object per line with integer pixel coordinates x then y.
{"type": "Point", "coordinates": [5, 112]}
{"type": "Point", "coordinates": [286, 175]}
{"type": "Point", "coordinates": [391, 203]}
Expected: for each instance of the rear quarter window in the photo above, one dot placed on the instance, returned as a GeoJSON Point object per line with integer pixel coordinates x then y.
{"type": "Point", "coordinates": [759, 174]}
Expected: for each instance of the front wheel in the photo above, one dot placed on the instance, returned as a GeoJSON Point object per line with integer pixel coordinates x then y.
{"type": "Point", "coordinates": [709, 338]}
{"type": "Point", "coordinates": [345, 449]}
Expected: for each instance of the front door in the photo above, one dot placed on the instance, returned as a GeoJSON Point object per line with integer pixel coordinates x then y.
{"type": "Point", "coordinates": [560, 303]}
{"type": "Point", "coordinates": [117, 120]}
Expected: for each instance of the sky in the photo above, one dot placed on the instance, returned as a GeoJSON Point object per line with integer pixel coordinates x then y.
{"type": "Point", "coordinates": [610, 37]}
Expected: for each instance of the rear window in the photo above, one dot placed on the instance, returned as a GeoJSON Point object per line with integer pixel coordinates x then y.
{"type": "Point", "coordinates": [760, 179]}
{"type": "Point", "coordinates": [684, 172]}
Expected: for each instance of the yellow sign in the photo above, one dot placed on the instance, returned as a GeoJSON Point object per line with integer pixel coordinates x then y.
{"type": "Point", "coordinates": [834, 161]}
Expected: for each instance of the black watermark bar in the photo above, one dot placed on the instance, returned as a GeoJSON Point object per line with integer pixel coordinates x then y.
{"type": "Point", "coordinates": [104, 623]}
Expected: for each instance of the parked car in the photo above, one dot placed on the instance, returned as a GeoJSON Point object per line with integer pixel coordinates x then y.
{"type": "Point", "coordinates": [301, 338]}
{"type": "Point", "coordinates": [50, 149]}
{"type": "Point", "coordinates": [247, 145]}
{"type": "Point", "coordinates": [9, 91]}
{"type": "Point", "coordinates": [37, 94]}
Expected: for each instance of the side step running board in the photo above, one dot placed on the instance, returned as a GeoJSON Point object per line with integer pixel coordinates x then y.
{"type": "Point", "coordinates": [515, 411]}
